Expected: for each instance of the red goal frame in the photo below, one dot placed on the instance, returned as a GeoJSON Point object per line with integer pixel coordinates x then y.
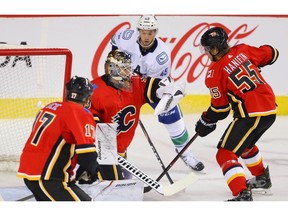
{"type": "Point", "coordinates": [27, 51]}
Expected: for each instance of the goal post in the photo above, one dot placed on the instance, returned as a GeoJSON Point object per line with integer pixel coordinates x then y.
{"type": "Point", "coordinates": [29, 78]}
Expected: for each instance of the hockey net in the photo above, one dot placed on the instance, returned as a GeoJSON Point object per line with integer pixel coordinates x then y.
{"type": "Point", "coordinates": [30, 78]}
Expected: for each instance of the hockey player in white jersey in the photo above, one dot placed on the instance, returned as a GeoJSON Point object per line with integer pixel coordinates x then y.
{"type": "Point", "coordinates": [151, 57]}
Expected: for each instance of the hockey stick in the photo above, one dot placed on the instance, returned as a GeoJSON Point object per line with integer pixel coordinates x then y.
{"type": "Point", "coordinates": [154, 150]}
{"type": "Point", "coordinates": [147, 189]}
{"type": "Point", "coordinates": [165, 190]}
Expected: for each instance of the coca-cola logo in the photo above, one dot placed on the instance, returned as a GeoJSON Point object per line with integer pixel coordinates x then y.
{"type": "Point", "coordinates": [187, 61]}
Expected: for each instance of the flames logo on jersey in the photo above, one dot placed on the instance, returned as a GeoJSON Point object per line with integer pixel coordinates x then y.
{"type": "Point", "coordinates": [125, 119]}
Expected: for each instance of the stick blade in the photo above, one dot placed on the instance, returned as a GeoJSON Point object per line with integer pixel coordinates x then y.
{"type": "Point", "coordinates": [177, 186]}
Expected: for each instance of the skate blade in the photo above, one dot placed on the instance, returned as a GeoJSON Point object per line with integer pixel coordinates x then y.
{"type": "Point", "coordinates": [262, 191]}
{"type": "Point", "coordinates": [201, 172]}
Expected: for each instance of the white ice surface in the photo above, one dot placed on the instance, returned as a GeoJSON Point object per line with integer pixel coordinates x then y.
{"type": "Point", "coordinates": [211, 186]}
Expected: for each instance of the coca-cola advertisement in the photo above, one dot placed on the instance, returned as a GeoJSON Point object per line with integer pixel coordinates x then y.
{"type": "Point", "coordinates": [88, 37]}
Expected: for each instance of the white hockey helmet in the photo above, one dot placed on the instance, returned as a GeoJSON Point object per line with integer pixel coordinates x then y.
{"type": "Point", "coordinates": [147, 22]}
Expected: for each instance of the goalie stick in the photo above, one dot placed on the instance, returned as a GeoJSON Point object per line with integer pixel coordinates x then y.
{"type": "Point", "coordinates": [165, 190]}
{"type": "Point", "coordinates": [147, 189]}
{"type": "Point", "coordinates": [154, 150]}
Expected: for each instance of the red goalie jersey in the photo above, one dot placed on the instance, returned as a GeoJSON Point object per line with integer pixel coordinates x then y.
{"type": "Point", "coordinates": [111, 105]}
{"type": "Point", "coordinates": [236, 80]}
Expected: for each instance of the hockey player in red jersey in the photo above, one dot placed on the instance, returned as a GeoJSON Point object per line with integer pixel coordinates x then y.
{"type": "Point", "coordinates": [118, 97]}
{"type": "Point", "coordinates": [235, 82]}
{"type": "Point", "coordinates": [62, 134]}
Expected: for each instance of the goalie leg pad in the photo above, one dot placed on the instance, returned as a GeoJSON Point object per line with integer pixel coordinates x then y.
{"type": "Point", "coordinates": [120, 190]}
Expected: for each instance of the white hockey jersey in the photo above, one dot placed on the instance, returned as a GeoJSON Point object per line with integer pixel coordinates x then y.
{"type": "Point", "coordinates": [156, 62]}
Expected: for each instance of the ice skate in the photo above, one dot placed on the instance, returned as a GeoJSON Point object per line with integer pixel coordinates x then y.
{"type": "Point", "coordinates": [245, 195]}
{"type": "Point", "coordinates": [261, 184]}
{"type": "Point", "coordinates": [191, 161]}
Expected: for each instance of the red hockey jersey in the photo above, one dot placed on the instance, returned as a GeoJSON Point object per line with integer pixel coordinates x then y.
{"type": "Point", "coordinates": [60, 130]}
{"type": "Point", "coordinates": [235, 82]}
{"type": "Point", "coordinates": [111, 105]}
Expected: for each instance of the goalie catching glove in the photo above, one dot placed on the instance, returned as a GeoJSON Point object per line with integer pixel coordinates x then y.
{"type": "Point", "coordinates": [169, 94]}
{"type": "Point", "coordinates": [204, 126]}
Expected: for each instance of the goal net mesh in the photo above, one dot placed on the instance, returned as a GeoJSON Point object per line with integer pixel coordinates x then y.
{"type": "Point", "coordinates": [30, 78]}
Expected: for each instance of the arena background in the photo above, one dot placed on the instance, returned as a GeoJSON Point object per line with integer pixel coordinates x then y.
{"type": "Point", "coordinates": [87, 36]}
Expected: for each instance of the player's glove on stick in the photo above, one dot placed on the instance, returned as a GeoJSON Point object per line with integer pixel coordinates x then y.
{"type": "Point", "coordinates": [170, 95]}
{"type": "Point", "coordinates": [204, 126]}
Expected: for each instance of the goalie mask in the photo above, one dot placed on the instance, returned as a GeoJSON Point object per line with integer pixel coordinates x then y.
{"type": "Point", "coordinates": [118, 66]}
{"type": "Point", "coordinates": [79, 90]}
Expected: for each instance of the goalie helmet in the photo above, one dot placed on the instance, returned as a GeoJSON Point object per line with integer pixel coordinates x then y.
{"type": "Point", "coordinates": [215, 37]}
{"type": "Point", "coordinates": [118, 66]}
{"type": "Point", "coordinates": [147, 22]}
{"type": "Point", "coordinates": [79, 89]}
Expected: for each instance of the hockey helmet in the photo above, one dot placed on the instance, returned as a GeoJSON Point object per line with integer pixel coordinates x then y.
{"type": "Point", "coordinates": [147, 22]}
{"type": "Point", "coordinates": [79, 89]}
{"type": "Point", "coordinates": [214, 37]}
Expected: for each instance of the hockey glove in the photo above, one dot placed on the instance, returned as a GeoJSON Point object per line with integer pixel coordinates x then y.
{"type": "Point", "coordinates": [84, 177]}
{"type": "Point", "coordinates": [170, 95]}
{"type": "Point", "coordinates": [88, 163]}
{"type": "Point", "coordinates": [204, 126]}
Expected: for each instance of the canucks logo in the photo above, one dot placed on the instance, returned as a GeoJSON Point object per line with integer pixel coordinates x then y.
{"type": "Point", "coordinates": [127, 34]}
{"type": "Point", "coordinates": [162, 58]}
